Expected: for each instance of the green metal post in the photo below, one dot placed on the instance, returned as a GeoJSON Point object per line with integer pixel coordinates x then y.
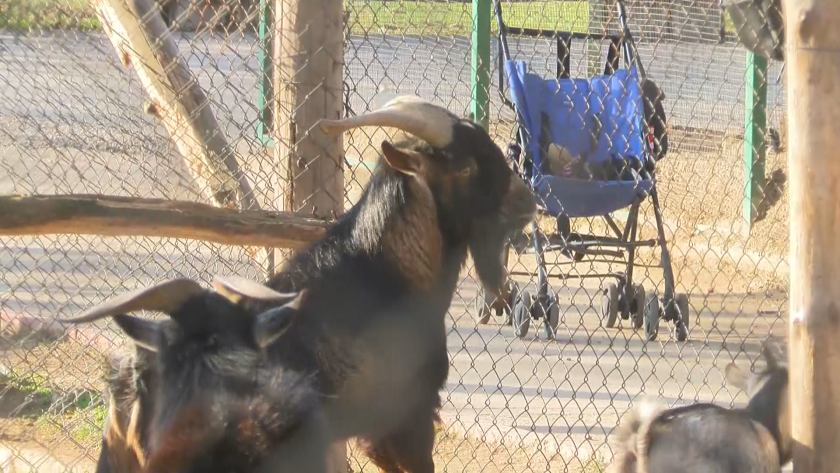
{"type": "Point", "coordinates": [597, 26]}
{"type": "Point", "coordinates": [755, 126]}
{"type": "Point", "coordinates": [480, 80]}
{"type": "Point", "coordinates": [264, 87]}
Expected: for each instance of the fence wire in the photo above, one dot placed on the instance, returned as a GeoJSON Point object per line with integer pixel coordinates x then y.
{"type": "Point", "coordinates": [72, 122]}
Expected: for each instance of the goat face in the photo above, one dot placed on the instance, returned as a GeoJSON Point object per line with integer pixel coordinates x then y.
{"type": "Point", "coordinates": [209, 344]}
{"type": "Point", "coordinates": [769, 393]}
{"type": "Point", "coordinates": [130, 381]}
{"type": "Point", "coordinates": [479, 199]}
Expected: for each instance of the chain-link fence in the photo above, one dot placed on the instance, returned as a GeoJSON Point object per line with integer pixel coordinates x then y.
{"type": "Point", "coordinates": [72, 122]}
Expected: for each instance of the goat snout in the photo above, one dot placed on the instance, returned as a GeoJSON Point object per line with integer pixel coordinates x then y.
{"type": "Point", "coordinates": [520, 206]}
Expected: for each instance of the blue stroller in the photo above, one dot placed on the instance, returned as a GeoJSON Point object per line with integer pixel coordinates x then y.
{"type": "Point", "coordinates": [615, 125]}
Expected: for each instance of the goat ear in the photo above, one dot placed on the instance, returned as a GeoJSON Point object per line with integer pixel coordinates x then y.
{"type": "Point", "coordinates": [407, 162]}
{"type": "Point", "coordinates": [273, 323]}
{"type": "Point", "coordinates": [737, 377]}
{"type": "Point", "coordinates": [145, 333]}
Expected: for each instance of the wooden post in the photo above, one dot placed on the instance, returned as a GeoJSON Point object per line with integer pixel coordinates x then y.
{"type": "Point", "coordinates": [308, 69]}
{"type": "Point", "coordinates": [755, 127]}
{"type": "Point", "coordinates": [813, 80]}
{"type": "Point", "coordinates": [308, 73]}
{"type": "Point", "coordinates": [480, 62]}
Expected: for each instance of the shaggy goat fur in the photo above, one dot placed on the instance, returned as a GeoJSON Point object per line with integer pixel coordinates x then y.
{"type": "Point", "coordinates": [708, 438]}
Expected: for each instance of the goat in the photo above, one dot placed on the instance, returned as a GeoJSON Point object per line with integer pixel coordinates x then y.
{"type": "Point", "coordinates": [392, 263]}
{"type": "Point", "coordinates": [759, 26]}
{"type": "Point", "coordinates": [708, 438]}
{"type": "Point", "coordinates": [213, 404]}
{"type": "Point", "coordinates": [381, 279]}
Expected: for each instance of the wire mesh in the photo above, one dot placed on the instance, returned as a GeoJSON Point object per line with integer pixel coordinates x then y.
{"type": "Point", "coordinates": [72, 122]}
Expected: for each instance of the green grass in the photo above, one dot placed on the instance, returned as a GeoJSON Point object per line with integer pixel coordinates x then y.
{"type": "Point", "coordinates": [455, 18]}
{"type": "Point", "coordinates": [81, 413]}
{"type": "Point", "coordinates": [368, 16]}
{"type": "Point", "coordinates": [423, 17]}
{"type": "Point", "coordinates": [47, 14]}
{"type": "Point", "coordinates": [26, 395]}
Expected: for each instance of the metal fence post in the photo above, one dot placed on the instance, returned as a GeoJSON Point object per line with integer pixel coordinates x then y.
{"type": "Point", "coordinates": [264, 88]}
{"type": "Point", "coordinates": [480, 62]}
{"type": "Point", "coordinates": [813, 68]}
{"type": "Point", "coordinates": [597, 26]}
{"type": "Point", "coordinates": [755, 127]}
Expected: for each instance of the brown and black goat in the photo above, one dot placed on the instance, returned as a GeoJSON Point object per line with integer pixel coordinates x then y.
{"type": "Point", "coordinates": [380, 281]}
{"type": "Point", "coordinates": [709, 438]}
{"type": "Point", "coordinates": [198, 396]}
{"type": "Point", "coordinates": [382, 278]}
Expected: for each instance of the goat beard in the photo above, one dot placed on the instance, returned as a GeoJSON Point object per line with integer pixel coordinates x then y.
{"type": "Point", "coordinates": [486, 247]}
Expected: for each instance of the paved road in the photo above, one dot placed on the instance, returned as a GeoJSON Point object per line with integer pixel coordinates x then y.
{"type": "Point", "coordinates": [70, 121]}
{"type": "Point", "coordinates": [75, 76]}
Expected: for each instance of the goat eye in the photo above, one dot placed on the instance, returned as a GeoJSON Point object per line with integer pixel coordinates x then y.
{"type": "Point", "coordinates": [466, 171]}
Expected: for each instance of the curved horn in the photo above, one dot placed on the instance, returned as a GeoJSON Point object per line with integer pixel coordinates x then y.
{"type": "Point", "coordinates": [236, 287]}
{"type": "Point", "coordinates": [429, 122]}
{"type": "Point", "coordinates": [165, 297]}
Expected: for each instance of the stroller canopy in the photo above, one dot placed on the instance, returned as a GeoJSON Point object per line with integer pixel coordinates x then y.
{"type": "Point", "coordinates": [596, 118]}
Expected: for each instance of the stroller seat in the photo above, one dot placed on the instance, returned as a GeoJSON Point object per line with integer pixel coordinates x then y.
{"type": "Point", "coordinates": [597, 119]}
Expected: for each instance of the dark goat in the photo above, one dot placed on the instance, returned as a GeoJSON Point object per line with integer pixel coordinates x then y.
{"type": "Point", "coordinates": [759, 25]}
{"type": "Point", "coordinates": [708, 438]}
{"type": "Point", "coordinates": [380, 281]}
{"type": "Point", "coordinates": [207, 402]}
{"type": "Point", "coordinates": [382, 278]}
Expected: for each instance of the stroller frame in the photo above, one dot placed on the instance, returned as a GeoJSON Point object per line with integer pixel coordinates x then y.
{"type": "Point", "coordinates": [621, 296]}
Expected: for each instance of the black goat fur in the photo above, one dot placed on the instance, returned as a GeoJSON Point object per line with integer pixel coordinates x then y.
{"type": "Point", "coordinates": [376, 330]}
{"type": "Point", "coordinates": [369, 342]}
{"type": "Point", "coordinates": [206, 401]}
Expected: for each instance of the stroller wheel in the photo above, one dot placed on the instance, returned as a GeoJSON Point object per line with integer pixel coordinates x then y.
{"type": "Point", "coordinates": [482, 310]}
{"type": "Point", "coordinates": [638, 314]}
{"type": "Point", "coordinates": [651, 317]}
{"type": "Point", "coordinates": [609, 305]}
{"type": "Point", "coordinates": [513, 296]}
{"type": "Point", "coordinates": [552, 318]}
{"type": "Point", "coordinates": [522, 314]}
{"type": "Point", "coordinates": [681, 301]}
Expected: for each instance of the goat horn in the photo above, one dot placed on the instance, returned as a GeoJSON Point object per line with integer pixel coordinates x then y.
{"type": "Point", "coordinates": [411, 114]}
{"type": "Point", "coordinates": [166, 297]}
{"type": "Point", "coordinates": [235, 287]}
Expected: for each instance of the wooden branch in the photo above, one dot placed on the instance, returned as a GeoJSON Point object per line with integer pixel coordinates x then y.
{"type": "Point", "coordinates": [124, 216]}
{"type": "Point", "coordinates": [142, 39]}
